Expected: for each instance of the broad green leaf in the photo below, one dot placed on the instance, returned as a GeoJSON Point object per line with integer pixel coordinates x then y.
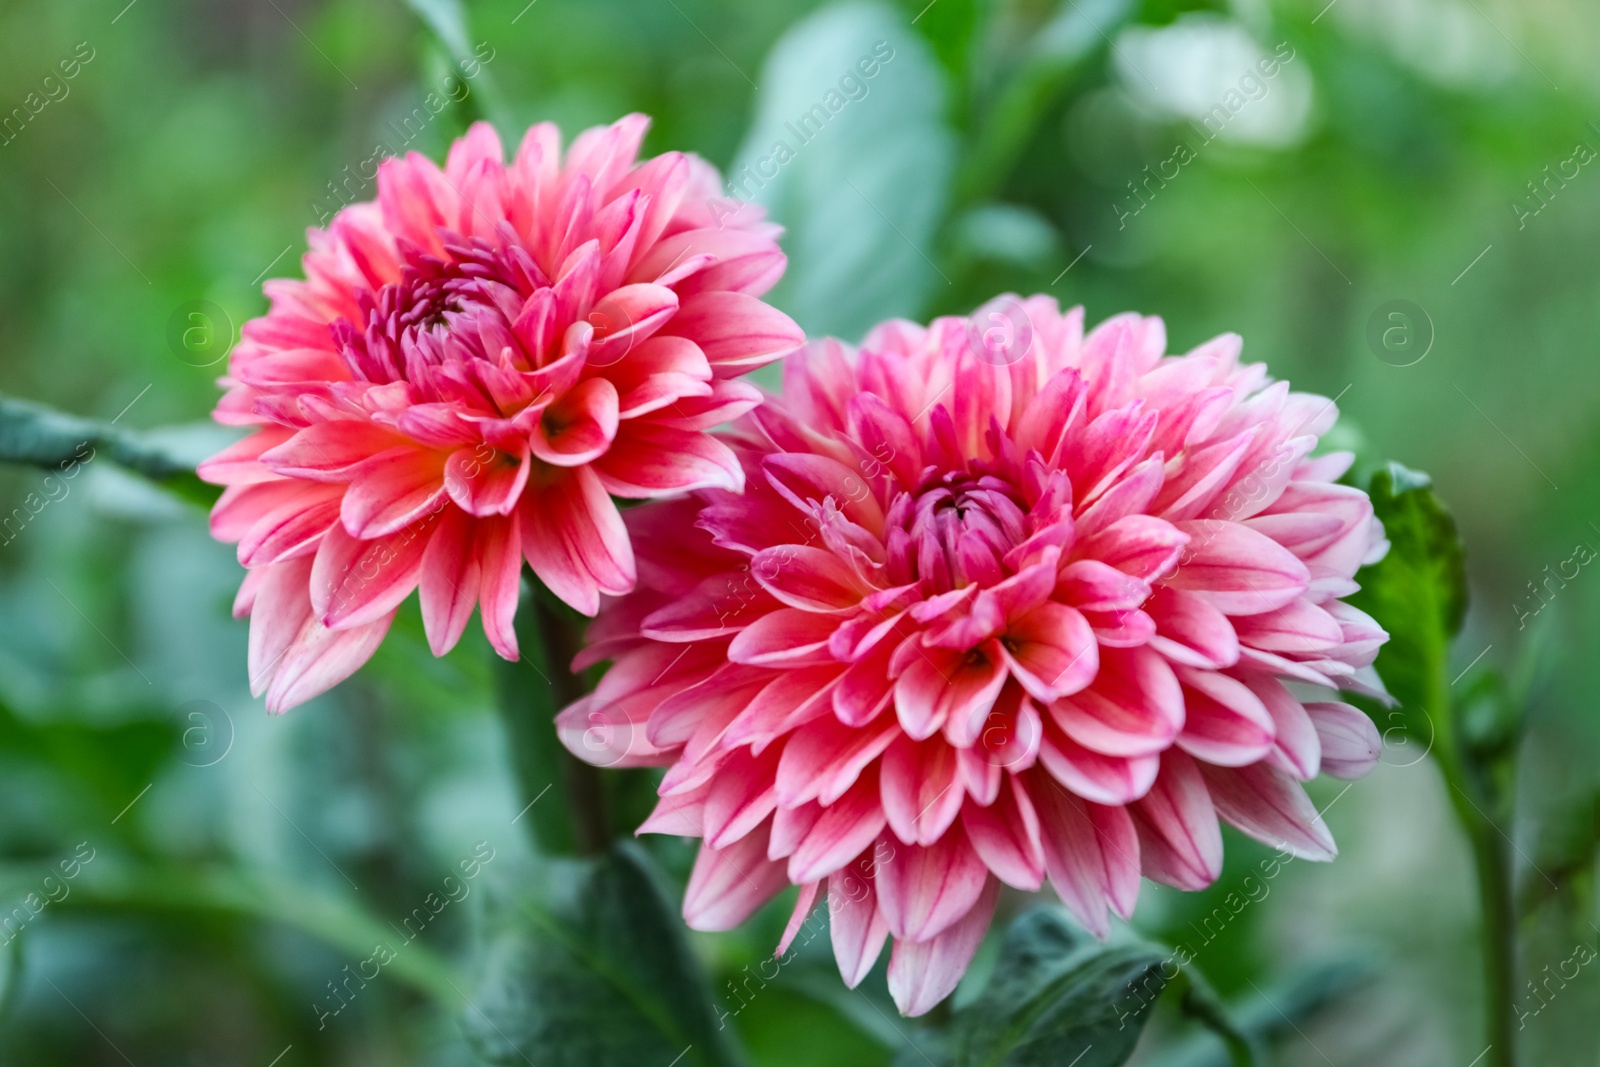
{"type": "Point", "coordinates": [1057, 994]}
{"type": "Point", "coordinates": [1417, 592]}
{"type": "Point", "coordinates": [592, 969]}
{"type": "Point", "coordinates": [37, 436]}
{"type": "Point", "coordinates": [857, 168]}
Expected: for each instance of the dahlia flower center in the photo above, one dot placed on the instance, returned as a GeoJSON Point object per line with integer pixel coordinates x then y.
{"type": "Point", "coordinates": [465, 306]}
{"type": "Point", "coordinates": [959, 530]}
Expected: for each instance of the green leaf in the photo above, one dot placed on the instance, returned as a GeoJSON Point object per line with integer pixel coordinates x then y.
{"type": "Point", "coordinates": [593, 970]}
{"type": "Point", "coordinates": [1418, 592]}
{"type": "Point", "coordinates": [1057, 993]}
{"type": "Point", "coordinates": [447, 19]}
{"type": "Point", "coordinates": [863, 172]}
{"type": "Point", "coordinates": [38, 436]}
{"type": "Point", "coordinates": [1061, 50]}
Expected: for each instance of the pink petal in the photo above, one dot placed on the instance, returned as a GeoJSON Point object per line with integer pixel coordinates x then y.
{"type": "Point", "coordinates": [802, 910]}
{"type": "Point", "coordinates": [294, 527]}
{"type": "Point", "coordinates": [392, 490]}
{"type": "Point", "coordinates": [355, 582]}
{"type": "Point", "coordinates": [1090, 852]}
{"type": "Point", "coordinates": [1090, 585]}
{"type": "Point", "coordinates": [1179, 839]}
{"type": "Point", "coordinates": [1295, 628]}
{"type": "Point", "coordinates": [793, 698]}
{"type": "Point", "coordinates": [658, 372]}
{"type": "Point", "coordinates": [1224, 723]}
{"type": "Point", "coordinates": [578, 428]}
{"type": "Point", "coordinates": [845, 827]}
{"type": "Point", "coordinates": [1271, 807]}
{"type": "Point", "coordinates": [327, 451]}
{"type": "Point", "coordinates": [1297, 750]}
{"type": "Point", "coordinates": [1005, 835]}
{"type": "Point", "coordinates": [727, 885]}
{"type": "Point", "coordinates": [1190, 631]}
{"type": "Point", "coordinates": [805, 478]}
{"type": "Point", "coordinates": [625, 318]}
{"type": "Point", "coordinates": [785, 637]}
{"type": "Point", "coordinates": [485, 480]}
{"type": "Point", "coordinates": [922, 973]}
{"type": "Point", "coordinates": [1134, 707]}
{"type": "Point", "coordinates": [737, 332]}
{"type": "Point", "coordinates": [921, 796]}
{"type": "Point", "coordinates": [320, 659]}
{"type": "Point", "coordinates": [923, 890]}
{"type": "Point", "coordinates": [810, 578]}
{"type": "Point", "coordinates": [865, 689]}
{"type": "Point", "coordinates": [824, 758]}
{"type": "Point", "coordinates": [1102, 779]}
{"type": "Point", "coordinates": [1142, 546]}
{"type": "Point", "coordinates": [499, 547]}
{"type": "Point", "coordinates": [680, 816]}
{"type": "Point", "coordinates": [741, 797]}
{"type": "Point", "coordinates": [649, 460]}
{"type": "Point", "coordinates": [857, 926]}
{"type": "Point", "coordinates": [281, 609]}
{"type": "Point", "coordinates": [1350, 743]}
{"type": "Point", "coordinates": [575, 539]}
{"type": "Point", "coordinates": [450, 580]}
{"type": "Point", "coordinates": [790, 826]}
{"type": "Point", "coordinates": [1052, 651]}
{"type": "Point", "coordinates": [942, 685]}
{"type": "Point", "coordinates": [1237, 570]}
{"type": "Point", "coordinates": [240, 463]}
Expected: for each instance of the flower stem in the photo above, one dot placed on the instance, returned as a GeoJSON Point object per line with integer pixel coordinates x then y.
{"type": "Point", "coordinates": [1473, 795]}
{"type": "Point", "coordinates": [1499, 945]}
{"type": "Point", "coordinates": [586, 795]}
{"type": "Point", "coordinates": [566, 810]}
{"type": "Point", "coordinates": [1201, 1003]}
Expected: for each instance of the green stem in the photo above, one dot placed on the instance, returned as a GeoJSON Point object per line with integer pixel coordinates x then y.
{"type": "Point", "coordinates": [566, 804]}
{"type": "Point", "coordinates": [1201, 1003]}
{"type": "Point", "coordinates": [38, 436]}
{"type": "Point", "coordinates": [585, 790]}
{"type": "Point", "coordinates": [1499, 945]}
{"type": "Point", "coordinates": [1473, 796]}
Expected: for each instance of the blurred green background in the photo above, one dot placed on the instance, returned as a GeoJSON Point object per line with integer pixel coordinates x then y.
{"type": "Point", "coordinates": [240, 863]}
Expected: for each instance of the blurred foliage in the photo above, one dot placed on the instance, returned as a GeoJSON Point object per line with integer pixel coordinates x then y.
{"type": "Point", "coordinates": [1026, 145]}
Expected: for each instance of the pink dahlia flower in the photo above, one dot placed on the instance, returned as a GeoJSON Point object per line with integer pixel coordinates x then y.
{"type": "Point", "coordinates": [475, 364]}
{"type": "Point", "coordinates": [992, 610]}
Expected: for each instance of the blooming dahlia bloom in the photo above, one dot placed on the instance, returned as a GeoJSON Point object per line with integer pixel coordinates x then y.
{"type": "Point", "coordinates": [475, 364]}
{"type": "Point", "coordinates": [992, 612]}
